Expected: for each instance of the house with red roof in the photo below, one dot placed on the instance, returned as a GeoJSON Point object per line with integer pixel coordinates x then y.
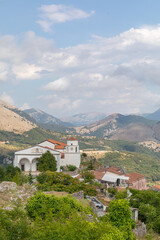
{"type": "Point", "coordinates": [65, 154]}
{"type": "Point", "coordinates": [137, 181]}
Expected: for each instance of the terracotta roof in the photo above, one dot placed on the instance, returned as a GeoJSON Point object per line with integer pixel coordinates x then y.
{"type": "Point", "coordinates": [56, 142]}
{"type": "Point", "coordinates": [98, 174]}
{"type": "Point", "coordinates": [62, 155]}
{"type": "Point", "coordinates": [59, 146]}
{"type": "Point", "coordinates": [134, 177]}
{"type": "Point", "coordinates": [115, 170]}
{"type": "Point", "coordinates": [157, 186]}
{"type": "Point", "coordinates": [49, 148]}
{"type": "Point", "coordinates": [72, 139]}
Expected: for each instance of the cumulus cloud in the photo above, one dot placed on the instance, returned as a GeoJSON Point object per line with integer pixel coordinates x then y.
{"type": "Point", "coordinates": [26, 71]}
{"type": "Point", "coordinates": [60, 84]}
{"type": "Point", "coordinates": [51, 14]}
{"type": "Point", "coordinates": [117, 74]}
{"type": "Point", "coordinates": [3, 72]}
{"type": "Point", "coordinates": [6, 98]}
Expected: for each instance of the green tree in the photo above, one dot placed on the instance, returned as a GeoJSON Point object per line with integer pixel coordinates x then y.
{"type": "Point", "coordinates": [120, 216]}
{"type": "Point", "coordinates": [11, 171]}
{"type": "Point", "coordinates": [30, 178]}
{"type": "Point", "coordinates": [2, 174]}
{"type": "Point", "coordinates": [88, 176]}
{"type": "Point", "coordinates": [47, 162]}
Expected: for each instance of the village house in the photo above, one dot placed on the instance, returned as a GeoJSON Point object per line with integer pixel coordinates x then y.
{"type": "Point", "coordinates": [137, 181]}
{"type": "Point", "coordinates": [65, 154]}
{"type": "Point", "coordinates": [111, 177]}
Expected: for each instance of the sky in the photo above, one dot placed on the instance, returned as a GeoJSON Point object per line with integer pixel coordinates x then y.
{"type": "Point", "coordinates": [76, 56]}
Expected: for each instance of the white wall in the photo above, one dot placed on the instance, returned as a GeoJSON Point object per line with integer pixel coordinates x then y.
{"type": "Point", "coordinates": [30, 155]}
{"type": "Point", "coordinates": [47, 144]}
{"type": "Point", "coordinates": [71, 158]}
{"type": "Point", "coordinates": [71, 142]}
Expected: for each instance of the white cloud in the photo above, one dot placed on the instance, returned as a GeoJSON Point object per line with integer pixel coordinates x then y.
{"type": "Point", "coordinates": [118, 74]}
{"type": "Point", "coordinates": [26, 71]}
{"type": "Point", "coordinates": [60, 84]}
{"type": "Point", "coordinates": [51, 14]}
{"type": "Point", "coordinates": [3, 72]}
{"type": "Point", "coordinates": [6, 98]}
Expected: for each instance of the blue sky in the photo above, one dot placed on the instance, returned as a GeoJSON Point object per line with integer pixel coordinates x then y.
{"type": "Point", "coordinates": [68, 57]}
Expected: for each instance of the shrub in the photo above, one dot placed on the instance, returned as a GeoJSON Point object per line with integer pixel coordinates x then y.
{"type": "Point", "coordinates": [2, 174]}
{"type": "Point", "coordinates": [50, 181]}
{"type": "Point", "coordinates": [42, 206]}
{"type": "Point", "coordinates": [88, 176]}
{"type": "Point", "coordinates": [71, 167]}
{"type": "Point", "coordinates": [121, 194]}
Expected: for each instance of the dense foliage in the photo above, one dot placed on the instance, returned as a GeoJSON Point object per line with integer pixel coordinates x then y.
{"type": "Point", "coordinates": [49, 181]}
{"type": "Point", "coordinates": [71, 167]}
{"type": "Point", "coordinates": [47, 162]}
{"type": "Point", "coordinates": [53, 218]}
{"type": "Point", "coordinates": [148, 202]}
{"type": "Point", "coordinates": [12, 174]}
{"type": "Point", "coordinates": [42, 206]}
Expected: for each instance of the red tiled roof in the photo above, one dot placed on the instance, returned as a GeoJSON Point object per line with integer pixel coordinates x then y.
{"type": "Point", "coordinates": [115, 170]}
{"type": "Point", "coordinates": [59, 146]}
{"type": "Point", "coordinates": [56, 142]}
{"type": "Point", "coordinates": [157, 186]}
{"type": "Point", "coordinates": [98, 174]}
{"type": "Point", "coordinates": [49, 148]}
{"type": "Point", "coordinates": [134, 176]}
{"type": "Point", "coordinates": [72, 139]}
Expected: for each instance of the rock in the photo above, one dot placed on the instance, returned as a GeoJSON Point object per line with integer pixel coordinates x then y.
{"type": "Point", "coordinates": [4, 186]}
{"type": "Point", "coordinates": [78, 195]}
{"type": "Point", "coordinates": [140, 230]}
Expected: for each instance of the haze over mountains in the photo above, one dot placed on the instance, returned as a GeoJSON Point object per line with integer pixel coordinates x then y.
{"type": "Point", "coordinates": [115, 126]}
{"type": "Point", "coordinates": [153, 116]}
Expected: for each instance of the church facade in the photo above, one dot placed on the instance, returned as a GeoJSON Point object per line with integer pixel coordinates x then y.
{"type": "Point", "coordinates": [65, 154]}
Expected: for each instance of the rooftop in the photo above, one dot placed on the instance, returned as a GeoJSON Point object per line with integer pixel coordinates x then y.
{"type": "Point", "coordinates": [56, 142]}
{"type": "Point", "coordinates": [134, 176]}
{"type": "Point", "coordinates": [72, 139]}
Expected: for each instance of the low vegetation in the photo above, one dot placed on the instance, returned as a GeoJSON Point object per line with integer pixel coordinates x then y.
{"type": "Point", "coordinates": [49, 217]}
{"type": "Point", "coordinates": [54, 181]}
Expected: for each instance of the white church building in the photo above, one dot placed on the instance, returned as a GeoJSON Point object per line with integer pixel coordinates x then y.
{"type": "Point", "coordinates": [65, 154]}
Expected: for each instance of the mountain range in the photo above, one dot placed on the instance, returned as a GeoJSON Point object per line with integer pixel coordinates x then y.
{"type": "Point", "coordinates": [153, 116]}
{"type": "Point", "coordinates": [115, 126]}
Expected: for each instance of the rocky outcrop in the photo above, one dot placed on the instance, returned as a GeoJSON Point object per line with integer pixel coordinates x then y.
{"type": "Point", "coordinates": [4, 186]}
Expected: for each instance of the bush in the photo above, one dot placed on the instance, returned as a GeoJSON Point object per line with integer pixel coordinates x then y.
{"type": "Point", "coordinates": [88, 176]}
{"type": "Point", "coordinates": [50, 181]}
{"type": "Point", "coordinates": [2, 174]}
{"type": "Point", "coordinates": [42, 206]}
{"type": "Point", "coordinates": [121, 194]}
{"type": "Point", "coordinates": [112, 191]}
{"type": "Point", "coordinates": [71, 167]}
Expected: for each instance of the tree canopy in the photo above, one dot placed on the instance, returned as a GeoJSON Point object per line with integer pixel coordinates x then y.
{"type": "Point", "coordinates": [47, 162]}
